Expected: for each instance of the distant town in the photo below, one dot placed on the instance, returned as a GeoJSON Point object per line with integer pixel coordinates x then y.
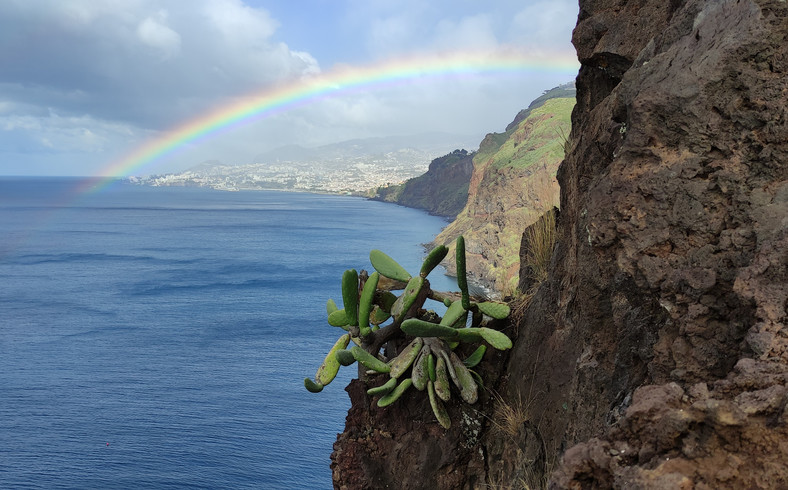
{"type": "Point", "coordinates": [341, 175]}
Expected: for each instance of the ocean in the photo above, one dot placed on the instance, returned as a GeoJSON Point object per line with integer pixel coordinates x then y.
{"type": "Point", "coordinates": [159, 337]}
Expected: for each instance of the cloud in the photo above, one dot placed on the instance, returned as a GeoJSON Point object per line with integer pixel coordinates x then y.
{"type": "Point", "coordinates": [154, 32]}
{"type": "Point", "coordinates": [545, 23]}
{"type": "Point", "coordinates": [475, 32]}
{"type": "Point", "coordinates": [136, 62]}
{"type": "Point", "coordinates": [91, 79]}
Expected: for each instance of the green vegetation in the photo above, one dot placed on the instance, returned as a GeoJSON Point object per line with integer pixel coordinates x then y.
{"type": "Point", "coordinates": [429, 360]}
{"type": "Point", "coordinates": [543, 141]}
{"type": "Point", "coordinates": [515, 184]}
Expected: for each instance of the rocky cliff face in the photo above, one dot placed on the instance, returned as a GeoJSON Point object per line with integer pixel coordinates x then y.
{"type": "Point", "coordinates": [671, 276]}
{"type": "Point", "coordinates": [442, 191]}
{"type": "Point", "coordinates": [513, 183]}
{"type": "Point", "coordinates": [655, 355]}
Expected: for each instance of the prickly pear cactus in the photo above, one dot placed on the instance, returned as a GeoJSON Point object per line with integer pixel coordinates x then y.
{"type": "Point", "coordinates": [428, 361]}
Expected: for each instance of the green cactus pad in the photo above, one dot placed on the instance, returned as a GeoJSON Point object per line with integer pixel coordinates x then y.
{"type": "Point", "coordinates": [478, 378]}
{"type": "Point", "coordinates": [365, 303]}
{"type": "Point", "coordinates": [312, 386]}
{"type": "Point", "coordinates": [420, 328]}
{"type": "Point", "coordinates": [331, 307]}
{"type": "Point", "coordinates": [419, 373]}
{"type": "Point", "coordinates": [330, 367]}
{"type": "Point", "coordinates": [442, 388]}
{"type": "Point", "coordinates": [469, 334]}
{"type": "Point", "coordinates": [388, 266]}
{"type": "Point", "coordinates": [345, 357]}
{"type": "Point", "coordinates": [397, 392]}
{"type": "Point", "coordinates": [474, 359]}
{"type": "Point", "coordinates": [338, 318]}
{"type": "Point", "coordinates": [437, 407]}
{"type": "Point", "coordinates": [350, 295]}
{"type": "Point", "coordinates": [497, 339]}
{"type": "Point", "coordinates": [462, 377]}
{"type": "Point", "coordinates": [462, 278]}
{"type": "Point", "coordinates": [379, 316]}
{"type": "Point", "coordinates": [447, 302]}
{"type": "Point", "coordinates": [385, 300]}
{"type": "Point", "coordinates": [431, 367]}
{"type": "Point", "coordinates": [453, 314]}
{"type": "Point", "coordinates": [433, 259]}
{"type": "Point", "coordinates": [368, 360]}
{"type": "Point", "coordinates": [387, 387]}
{"type": "Point", "coordinates": [499, 311]}
{"type": "Point", "coordinates": [402, 362]}
{"type": "Point", "coordinates": [408, 298]}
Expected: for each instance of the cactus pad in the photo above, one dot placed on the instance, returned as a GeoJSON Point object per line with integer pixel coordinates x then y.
{"type": "Point", "coordinates": [312, 386]}
{"type": "Point", "coordinates": [474, 359]}
{"type": "Point", "coordinates": [330, 367]}
{"type": "Point", "coordinates": [499, 311]}
{"type": "Point", "coordinates": [433, 259]}
{"type": "Point", "coordinates": [383, 389]}
{"type": "Point", "coordinates": [365, 303]}
{"type": "Point", "coordinates": [437, 407]}
{"type": "Point", "coordinates": [397, 392]}
{"type": "Point", "coordinates": [420, 328]}
{"type": "Point", "coordinates": [350, 295]}
{"type": "Point", "coordinates": [402, 362]}
{"type": "Point", "coordinates": [388, 266]}
{"type": "Point", "coordinates": [368, 360]}
{"type": "Point", "coordinates": [462, 278]}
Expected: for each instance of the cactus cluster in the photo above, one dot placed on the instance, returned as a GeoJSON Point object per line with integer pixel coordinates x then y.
{"type": "Point", "coordinates": [375, 320]}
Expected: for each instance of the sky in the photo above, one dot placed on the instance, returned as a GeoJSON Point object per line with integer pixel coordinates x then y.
{"type": "Point", "coordinates": [87, 85]}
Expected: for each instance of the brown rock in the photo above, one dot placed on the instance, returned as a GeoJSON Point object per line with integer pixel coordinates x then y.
{"type": "Point", "coordinates": [656, 353]}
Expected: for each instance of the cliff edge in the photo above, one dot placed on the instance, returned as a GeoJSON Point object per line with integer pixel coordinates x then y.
{"type": "Point", "coordinates": [655, 354]}
{"type": "Point", "coordinates": [441, 191]}
{"type": "Point", "coordinates": [513, 183]}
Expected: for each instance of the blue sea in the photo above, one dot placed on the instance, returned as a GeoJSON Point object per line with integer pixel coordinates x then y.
{"type": "Point", "coordinates": [159, 337]}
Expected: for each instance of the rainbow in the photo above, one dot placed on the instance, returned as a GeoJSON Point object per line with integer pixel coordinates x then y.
{"type": "Point", "coordinates": [337, 81]}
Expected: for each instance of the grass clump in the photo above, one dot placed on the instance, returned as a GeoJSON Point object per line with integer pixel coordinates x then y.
{"type": "Point", "coordinates": [541, 238]}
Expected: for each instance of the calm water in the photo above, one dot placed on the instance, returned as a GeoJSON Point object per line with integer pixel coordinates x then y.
{"type": "Point", "coordinates": [159, 337]}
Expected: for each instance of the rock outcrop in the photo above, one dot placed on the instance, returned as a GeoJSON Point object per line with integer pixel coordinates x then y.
{"type": "Point", "coordinates": [670, 283]}
{"type": "Point", "coordinates": [655, 355]}
{"type": "Point", "coordinates": [442, 191]}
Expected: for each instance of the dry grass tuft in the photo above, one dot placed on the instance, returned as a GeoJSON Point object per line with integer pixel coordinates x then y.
{"type": "Point", "coordinates": [509, 418]}
{"type": "Point", "coordinates": [541, 237]}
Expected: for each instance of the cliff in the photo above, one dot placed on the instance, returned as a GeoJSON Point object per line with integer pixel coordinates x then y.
{"type": "Point", "coordinates": [655, 353]}
{"type": "Point", "coordinates": [442, 190]}
{"type": "Point", "coordinates": [513, 183]}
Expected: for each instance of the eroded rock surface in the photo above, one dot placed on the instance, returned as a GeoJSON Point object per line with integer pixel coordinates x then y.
{"type": "Point", "coordinates": [672, 271]}
{"type": "Point", "coordinates": [656, 354]}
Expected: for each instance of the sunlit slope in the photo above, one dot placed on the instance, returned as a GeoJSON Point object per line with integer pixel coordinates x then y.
{"type": "Point", "coordinates": [513, 183]}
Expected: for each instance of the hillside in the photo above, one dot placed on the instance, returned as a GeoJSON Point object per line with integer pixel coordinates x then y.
{"type": "Point", "coordinates": [513, 183]}
{"type": "Point", "coordinates": [442, 190]}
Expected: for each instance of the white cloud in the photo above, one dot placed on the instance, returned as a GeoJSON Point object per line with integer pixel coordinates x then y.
{"type": "Point", "coordinates": [238, 24]}
{"type": "Point", "coordinates": [154, 33]}
{"type": "Point", "coordinates": [545, 23]}
{"type": "Point", "coordinates": [474, 32]}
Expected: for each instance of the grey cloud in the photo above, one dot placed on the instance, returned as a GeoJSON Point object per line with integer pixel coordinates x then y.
{"type": "Point", "coordinates": [146, 63]}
